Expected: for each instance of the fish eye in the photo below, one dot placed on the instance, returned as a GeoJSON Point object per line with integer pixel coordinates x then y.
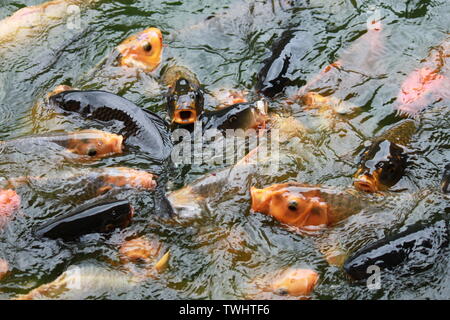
{"type": "Point", "coordinates": [109, 227]}
{"type": "Point", "coordinates": [292, 205]}
{"type": "Point", "coordinates": [282, 291]}
{"type": "Point", "coordinates": [92, 152]}
{"type": "Point", "coordinates": [147, 47]}
{"type": "Point", "coordinates": [233, 118]}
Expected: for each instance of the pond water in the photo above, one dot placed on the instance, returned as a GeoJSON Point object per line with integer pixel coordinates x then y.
{"type": "Point", "coordinates": [224, 251]}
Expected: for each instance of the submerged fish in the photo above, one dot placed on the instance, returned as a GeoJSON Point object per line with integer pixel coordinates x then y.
{"type": "Point", "coordinates": [92, 144]}
{"type": "Point", "coordinates": [78, 281]}
{"type": "Point", "coordinates": [357, 66]}
{"type": "Point", "coordinates": [295, 282]}
{"type": "Point", "coordinates": [185, 99]}
{"type": "Point", "coordinates": [188, 201]}
{"type": "Point", "coordinates": [384, 163]}
{"type": "Point", "coordinates": [139, 250]}
{"type": "Point", "coordinates": [30, 21]}
{"type": "Point", "coordinates": [228, 97]}
{"type": "Point", "coordinates": [285, 284]}
{"type": "Point", "coordinates": [142, 50]}
{"type": "Point", "coordinates": [96, 218]}
{"type": "Point", "coordinates": [95, 182]}
{"type": "Point", "coordinates": [304, 206]}
{"type": "Point", "coordinates": [426, 85]}
{"type": "Point", "coordinates": [281, 68]}
{"type": "Point", "coordinates": [141, 127]}
{"type": "Point", "coordinates": [415, 249]}
{"type": "Point", "coordinates": [445, 182]}
{"type": "Point", "coordinates": [9, 203]}
{"type": "Point", "coordinates": [314, 100]}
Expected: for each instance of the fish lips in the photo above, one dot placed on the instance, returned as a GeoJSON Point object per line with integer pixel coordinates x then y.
{"type": "Point", "coordinates": [185, 115]}
{"type": "Point", "coordinates": [187, 108]}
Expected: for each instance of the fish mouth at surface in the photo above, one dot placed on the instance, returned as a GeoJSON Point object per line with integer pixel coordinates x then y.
{"type": "Point", "coordinates": [185, 116]}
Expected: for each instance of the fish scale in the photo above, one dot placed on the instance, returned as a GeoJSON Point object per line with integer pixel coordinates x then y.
{"type": "Point", "coordinates": [107, 114]}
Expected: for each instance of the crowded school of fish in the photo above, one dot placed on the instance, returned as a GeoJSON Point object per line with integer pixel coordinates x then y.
{"type": "Point", "coordinates": [294, 204]}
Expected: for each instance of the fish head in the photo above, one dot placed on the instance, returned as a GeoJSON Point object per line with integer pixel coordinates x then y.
{"type": "Point", "coordinates": [382, 165]}
{"type": "Point", "coordinates": [95, 143]}
{"type": "Point", "coordinates": [291, 204]}
{"type": "Point", "coordinates": [119, 216]}
{"type": "Point", "coordinates": [295, 282]}
{"type": "Point", "coordinates": [241, 116]}
{"type": "Point", "coordinates": [142, 51]}
{"type": "Point", "coordinates": [185, 102]}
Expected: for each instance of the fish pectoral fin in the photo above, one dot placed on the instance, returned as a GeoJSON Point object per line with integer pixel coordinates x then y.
{"type": "Point", "coordinates": [163, 263]}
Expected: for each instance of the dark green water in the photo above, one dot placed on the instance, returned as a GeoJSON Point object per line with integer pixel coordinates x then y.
{"type": "Point", "coordinates": [218, 255]}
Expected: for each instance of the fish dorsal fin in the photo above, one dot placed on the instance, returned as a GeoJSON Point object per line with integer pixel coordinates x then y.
{"type": "Point", "coordinates": [400, 134]}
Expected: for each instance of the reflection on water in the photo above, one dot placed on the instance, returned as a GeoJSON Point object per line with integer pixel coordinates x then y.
{"type": "Point", "coordinates": [225, 250]}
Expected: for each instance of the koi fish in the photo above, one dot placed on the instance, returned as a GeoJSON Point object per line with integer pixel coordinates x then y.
{"type": "Point", "coordinates": [96, 218]}
{"type": "Point", "coordinates": [426, 85]}
{"type": "Point", "coordinates": [304, 206]}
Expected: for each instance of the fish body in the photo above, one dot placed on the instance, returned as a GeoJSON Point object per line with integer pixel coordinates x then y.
{"type": "Point", "coordinates": [77, 281]}
{"type": "Point", "coordinates": [91, 144]}
{"type": "Point", "coordinates": [304, 206]}
{"type": "Point", "coordinates": [185, 100]}
{"type": "Point", "coordinates": [4, 268]}
{"type": "Point", "coordinates": [9, 203]}
{"type": "Point", "coordinates": [239, 116]}
{"type": "Point", "coordinates": [95, 182]}
{"type": "Point", "coordinates": [28, 21]}
{"type": "Point", "coordinates": [279, 70]}
{"type": "Point", "coordinates": [126, 177]}
{"type": "Point", "coordinates": [139, 250]}
{"type": "Point", "coordinates": [314, 100]}
{"type": "Point", "coordinates": [415, 248]}
{"type": "Point", "coordinates": [227, 97]}
{"type": "Point", "coordinates": [384, 162]}
{"type": "Point", "coordinates": [295, 282]}
{"type": "Point", "coordinates": [141, 128]}
{"type": "Point", "coordinates": [426, 85]}
{"type": "Point", "coordinates": [445, 182]}
{"type": "Point", "coordinates": [97, 218]}
{"type": "Point", "coordinates": [357, 65]}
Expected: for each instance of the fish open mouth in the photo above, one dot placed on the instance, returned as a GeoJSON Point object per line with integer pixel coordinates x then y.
{"type": "Point", "coordinates": [185, 116]}
{"type": "Point", "coordinates": [364, 183]}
